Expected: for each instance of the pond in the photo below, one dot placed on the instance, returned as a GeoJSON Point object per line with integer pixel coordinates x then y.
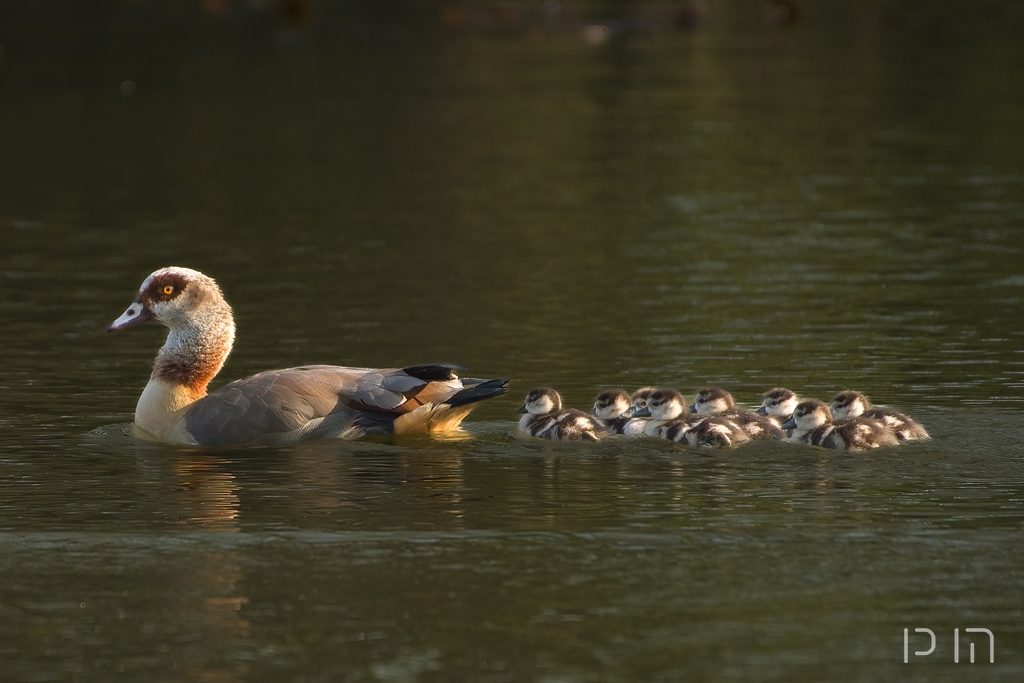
{"type": "Point", "coordinates": [832, 204]}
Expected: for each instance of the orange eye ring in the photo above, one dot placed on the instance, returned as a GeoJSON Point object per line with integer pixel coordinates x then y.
{"type": "Point", "coordinates": [168, 289]}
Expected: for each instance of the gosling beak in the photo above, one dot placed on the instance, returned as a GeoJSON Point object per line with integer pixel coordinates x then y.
{"type": "Point", "coordinates": [762, 411]}
{"type": "Point", "coordinates": [137, 313]}
{"type": "Point", "coordinates": [522, 409]}
{"type": "Point", "coordinates": [692, 407]}
{"type": "Point", "coordinates": [641, 412]}
{"type": "Point", "coordinates": [789, 424]}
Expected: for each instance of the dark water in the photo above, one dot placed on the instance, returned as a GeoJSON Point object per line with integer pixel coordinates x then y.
{"type": "Point", "coordinates": [833, 204]}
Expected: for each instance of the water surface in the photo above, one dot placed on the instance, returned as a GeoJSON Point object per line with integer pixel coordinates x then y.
{"type": "Point", "coordinates": [832, 205]}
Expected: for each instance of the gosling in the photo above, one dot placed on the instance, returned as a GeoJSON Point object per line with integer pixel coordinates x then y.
{"type": "Point", "coordinates": [546, 419]}
{"type": "Point", "coordinates": [717, 401]}
{"type": "Point", "coordinates": [812, 424]}
{"type": "Point", "coordinates": [614, 408]}
{"type": "Point", "coordinates": [640, 397]}
{"type": "Point", "coordinates": [855, 404]}
{"type": "Point", "coordinates": [671, 420]}
{"type": "Point", "coordinates": [779, 403]}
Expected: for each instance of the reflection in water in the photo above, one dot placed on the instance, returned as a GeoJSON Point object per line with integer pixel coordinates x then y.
{"type": "Point", "coordinates": [192, 489]}
{"type": "Point", "coordinates": [197, 492]}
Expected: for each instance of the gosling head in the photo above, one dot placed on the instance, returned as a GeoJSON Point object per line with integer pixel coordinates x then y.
{"type": "Point", "coordinates": [541, 401]}
{"type": "Point", "coordinates": [640, 397]}
{"type": "Point", "coordinates": [612, 404]}
{"type": "Point", "coordinates": [778, 402]}
{"type": "Point", "coordinates": [711, 401]}
{"type": "Point", "coordinates": [809, 414]}
{"type": "Point", "coordinates": [663, 404]}
{"type": "Point", "coordinates": [849, 404]}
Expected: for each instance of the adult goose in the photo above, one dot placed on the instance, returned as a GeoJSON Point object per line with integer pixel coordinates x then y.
{"type": "Point", "coordinates": [277, 407]}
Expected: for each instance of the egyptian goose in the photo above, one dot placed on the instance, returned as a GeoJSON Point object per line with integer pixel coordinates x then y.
{"type": "Point", "coordinates": [277, 407]}
{"type": "Point", "coordinates": [778, 403]}
{"type": "Point", "coordinates": [855, 404]}
{"type": "Point", "coordinates": [717, 401]}
{"type": "Point", "coordinates": [615, 409]}
{"type": "Point", "coordinates": [670, 419]}
{"type": "Point", "coordinates": [545, 418]}
{"type": "Point", "coordinates": [812, 424]}
{"type": "Point", "coordinates": [640, 396]}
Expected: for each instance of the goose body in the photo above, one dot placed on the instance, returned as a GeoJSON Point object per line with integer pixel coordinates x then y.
{"type": "Point", "coordinates": [812, 425]}
{"type": "Point", "coordinates": [545, 418]}
{"type": "Point", "coordinates": [615, 409]}
{"type": "Point", "coordinates": [278, 407]}
{"type": "Point", "coordinates": [855, 404]}
{"type": "Point", "coordinates": [717, 401]}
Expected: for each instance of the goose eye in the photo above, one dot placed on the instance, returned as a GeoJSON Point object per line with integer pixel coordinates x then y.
{"type": "Point", "coordinates": [168, 289]}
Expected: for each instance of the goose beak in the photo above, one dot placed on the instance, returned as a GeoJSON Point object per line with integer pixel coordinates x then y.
{"type": "Point", "coordinates": [522, 409]}
{"type": "Point", "coordinates": [137, 313]}
{"type": "Point", "coordinates": [789, 424]}
{"type": "Point", "coordinates": [641, 412]}
{"type": "Point", "coordinates": [762, 411]}
{"type": "Point", "coordinates": [692, 407]}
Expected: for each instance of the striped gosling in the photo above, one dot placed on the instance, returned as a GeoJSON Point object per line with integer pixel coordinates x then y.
{"type": "Point", "coordinates": [614, 408]}
{"type": "Point", "coordinates": [812, 424]}
{"type": "Point", "coordinates": [855, 404]}
{"type": "Point", "coordinates": [717, 401]}
{"type": "Point", "coordinates": [671, 420]}
{"type": "Point", "coordinates": [546, 419]}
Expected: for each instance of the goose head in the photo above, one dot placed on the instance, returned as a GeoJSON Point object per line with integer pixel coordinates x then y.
{"type": "Point", "coordinates": [541, 401]}
{"type": "Point", "coordinates": [778, 402]}
{"type": "Point", "coordinates": [849, 404]}
{"type": "Point", "coordinates": [712, 400]}
{"type": "Point", "coordinates": [612, 404]}
{"type": "Point", "coordinates": [176, 297]}
{"type": "Point", "coordinates": [663, 404]}
{"type": "Point", "coordinates": [809, 415]}
{"type": "Point", "coordinates": [201, 326]}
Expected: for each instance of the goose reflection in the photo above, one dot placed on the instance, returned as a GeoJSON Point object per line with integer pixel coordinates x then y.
{"type": "Point", "coordinates": [204, 596]}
